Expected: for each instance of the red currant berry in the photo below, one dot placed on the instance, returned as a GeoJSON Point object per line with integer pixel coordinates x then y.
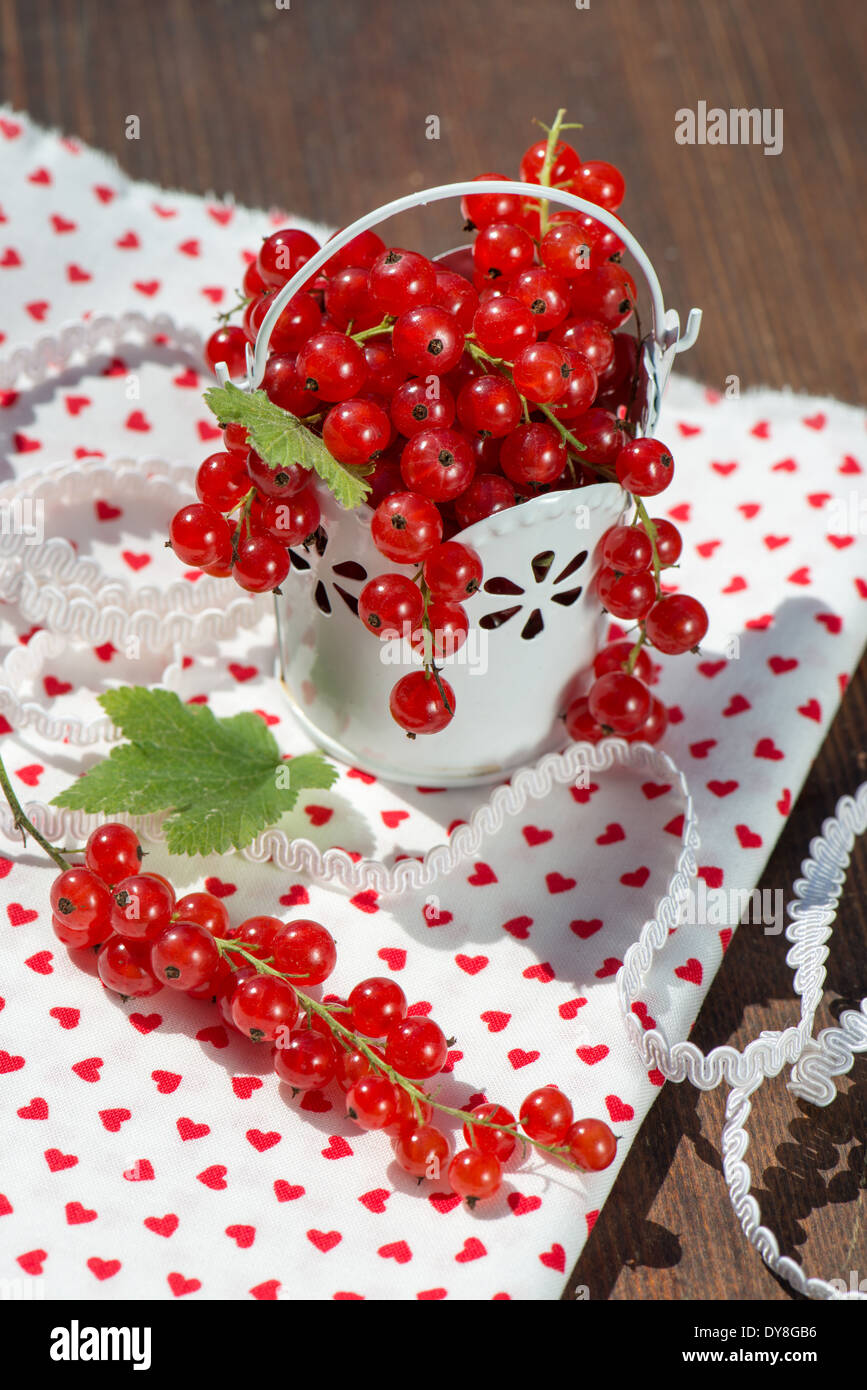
{"type": "Point", "coordinates": [481, 209]}
{"type": "Point", "coordinates": [580, 724]}
{"type": "Point", "coordinates": [280, 482]}
{"type": "Point", "coordinates": [486, 1140]}
{"type": "Point", "coordinates": [331, 366]}
{"type": "Point", "coordinates": [474, 1175]}
{"type": "Point", "coordinates": [356, 431]}
{"type": "Point", "coordinates": [422, 405]}
{"type": "Point", "coordinates": [547, 296]}
{"type": "Point", "coordinates": [200, 536]}
{"type": "Point", "coordinates": [400, 280]}
{"type": "Point", "coordinates": [669, 542]}
{"type": "Point", "coordinates": [236, 440]}
{"type": "Point", "coordinates": [376, 1005]}
{"type": "Point", "coordinates": [457, 295]}
{"type": "Point", "coordinates": [80, 940]}
{"type": "Point", "coordinates": [252, 283]}
{"type": "Point", "coordinates": [348, 301]}
{"type": "Point", "coordinates": [591, 1145]}
{"type": "Point", "coordinates": [409, 1114]}
{"type": "Point", "coordinates": [142, 907]}
{"type": "Point", "coordinates": [619, 702]}
{"type": "Point", "coordinates": [654, 726]}
{"type": "Point", "coordinates": [361, 250]}
{"type": "Point", "coordinates": [580, 392]}
{"type": "Point", "coordinates": [627, 549]}
{"type": "Point", "coordinates": [503, 326]}
{"type": "Point", "coordinates": [283, 385]}
{"type": "Point", "coordinates": [290, 520]}
{"type": "Point", "coordinates": [565, 250]}
{"type": "Point", "coordinates": [82, 901]}
{"type": "Point", "coordinates": [125, 967]}
{"type": "Point", "coordinates": [422, 1151]}
{"type": "Point", "coordinates": [445, 634]}
{"type": "Point", "coordinates": [391, 605]}
{"type": "Point", "coordinates": [487, 493]}
{"type": "Point", "coordinates": [676, 624]}
{"type": "Point", "coordinates": [489, 405]}
{"type": "Point", "coordinates": [184, 956]}
{"type": "Point", "coordinates": [416, 1048]}
{"type": "Point", "coordinates": [228, 344]}
{"type": "Point", "coordinates": [438, 464]}
{"type": "Point", "coordinates": [370, 1102]}
{"type": "Point", "coordinates": [645, 467]}
{"type": "Point", "coordinates": [305, 951]}
{"type": "Point", "coordinates": [256, 935]}
{"type": "Point", "coordinates": [298, 318]}
{"type": "Point", "coordinates": [282, 254]}
{"type": "Point", "coordinates": [307, 1061]}
{"type": "Point", "coordinates": [601, 183]}
{"type": "Point", "coordinates": [352, 1065]}
{"type": "Point", "coordinates": [601, 434]}
{"type": "Point", "coordinates": [452, 573]}
{"type": "Point", "coordinates": [384, 373]}
{"type": "Point", "coordinates": [615, 656]}
{"type": "Point", "coordinates": [428, 339]}
{"type": "Point", "coordinates": [421, 704]}
{"type": "Point", "coordinates": [205, 910]}
{"type": "Point", "coordinates": [225, 990]}
{"type": "Point", "coordinates": [606, 293]}
{"type": "Point", "coordinates": [546, 1115]}
{"type": "Point", "coordinates": [621, 369]}
{"type": "Point", "coordinates": [503, 248]}
{"type": "Point", "coordinates": [605, 244]}
{"type": "Point", "coordinates": [564, 168]}
{"type": "Point", "coordinates": [222, 481]}
{"type": "Point", "coordinates": [406, 527]}
{"type": "Point", "coordinates": [262, 1005]}
{"type": "Point", "coordinates": [542, 372]}
{"type": "Point", "coordinates": [113, 852]}
{"type": "Point", "coordinates": [261, 563]}
{"type": "Point", "coordinates": [593, 340]}
{"type": "Point", "coordinates": [533, 454]}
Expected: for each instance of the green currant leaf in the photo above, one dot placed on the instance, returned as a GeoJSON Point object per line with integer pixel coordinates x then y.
{"type": "Point", "coordinates": [282, 440]}
{"type": "Point", "coordinates": [223, 781]}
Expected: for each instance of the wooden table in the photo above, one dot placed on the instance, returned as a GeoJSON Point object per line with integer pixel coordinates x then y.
{"type": "Point", "coordinates": [323, 107]}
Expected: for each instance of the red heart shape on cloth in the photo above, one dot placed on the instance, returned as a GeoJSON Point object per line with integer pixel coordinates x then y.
{"type": "Point", "coordinates": [244, 1086]}
{"type": "Point", "coordinates": [555, 1258]}
{"type": "Point", "coordinates": [77, 1215]}
{"type": "Point", "coordinates": [36, 1110]}
{"type": "Point", "coordinates": [324, 1240]}
{"type": "Point", "coordinates": [375, 1200]}
{"type": "Point", "coordinates": [67, 1018]}
{"type": "Point", "coordinates": [162, 1225]}
{"type": "Point", "coordinates": [243, 1236]}
{"type": "Point", "coordinates": [397, 1250]}
{"type": "Point", "coordinates": [218, 888]}
{"type": "Point", "coordinates": [180, 1286]}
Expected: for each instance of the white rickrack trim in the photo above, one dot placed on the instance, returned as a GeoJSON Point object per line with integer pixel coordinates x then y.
{"type": "Point", "coordinates": [51, 353]}
{"type": "Point", "coordinates": [24, 666]}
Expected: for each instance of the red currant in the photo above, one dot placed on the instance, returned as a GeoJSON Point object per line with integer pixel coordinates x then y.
{"type": "Point", "coordinates": [142, 908]}
{"type": "Point", "coordinates": [484, 208]}
{"type": "Point", "coordinates": [428, 339]}
{"type": "Point", "coordinates": [416, 1047]}
{"type": "Point", "coordinates": [331, 366]}
{"type": "Point", "coordinates": [370, 1102]}
{"type": "Point", "coordinates": [589, 337]}
{"type": "Point", "coordinates": [452, 573]}
{"type": "Point", "coordinates": [626, 595]}
{"type": "Point", "coordinates": [676, 624]}
{"type": "Point", "coordinates": [486, 1140]}
{"type": "Point", "coordinates": [261, 563]}
{"type": "Point", "coordinates": [290, 520]}
{"type": "Point", "coordinates": [645, 467]}
{"type": "Point", "coordinates": [422, 405]}
{"type": "Point", "coordinates": [458, 296]}
{"type": "Point", "coordinates": [280, 482]}
{"type": "Point", "coordinates": [384, 373]}
{"type": "Point", "coordinates": [487, 493]}
{"type": "Point", "coordinates": [669, 542]}
{"type": "Point", "coordinates": [438, 464]}
{"type": "Point", "coordinates": [542, 371]}
{"type": "Point", "coordinates": [406, 527]}
{"type": "Point", "coordinates": [304, 950]}
{"type": "Point", "coordinates": [502, 248]}
{"type": "Point", "coordinates": [422, 1151]}
{"type": "Point", "coordinates": [547, 296]}
{"type": "Point", "coordinates": [400, 280]}
{"type": "Point", "coordinates": [489, 405]}
{"type": "Point", "coordinates": [627, 549]}
{"type": "Point", "coordinates": [503, 326]}
{"type": "Point", "coordinates": [614, 658]}
{"type": "Point", "coordinates": [228, 344]}
{"type": "Point", "coordinates": [606, 293]}
{"type": "Point", "coordinates": [113, 852]}
{"type": "Point", "coordinates": [222, 481]}
{"type": "Point", "coordinates": [262, 1005]}
{"type": "Point", "coordinates": [580, 724]}
{"type": "Point", "coordinates": [601, 433]}
{"type": "Point", "coordinates": [125, 967]}
{"type": "Point", "coordinates": [654, 726]}
{"type": "Point", "coordinates": [200, 536]}
{"type": "Point", "coordinates": [184, 955]}
{"type": "Point", "coordinates": [601, 183]}
{"type": "Point", "coordinates": [565, 250]}
{"type": "Point", "coordinates": [307, 1061]}
{"type": "Point", "coordinates": [282, 254]}
{"type": "Point", "coordinates": [80, 940]}
{"type": "Point", "coordinates": [204, 909]}
{"type": "Point", "coordinates": [409, 1113]}
{"type": "Point", "coordinates": [546, 1115]}
{"type": "Point", "coordinates": [283, 385]}
{"type": "Point", "coordinates": [299, 317]}
{"type": "Point", "coordinates": [236, 440]}
{"type": "Point", "coordinates": [376, 1005]}
{"type": "Point", "coordinates": [580, 392]}
{"type": "Point", "coordinates": [619, 702]}
{"type": "Point", "coordinates": [348, 301]}
{"type": "Point", "coordinates": [591, 1145]}
{"type": "Point", "coordinates": [445, 634]}
{"type": "Point", "coordinates": [352, 1065]}
{"type": "Point", "coordinates": [564, 168]}
{"type": "Point", "coordinates": [256, 935]}
{"type": "Point", "coordinates": [474, 1175]}
{"type": "Point", "coordinates": [421, 704]}
{"type": "Point", "coordinates": [362, 251]}
{"type": "Point", "coordinates": [356, 431]}
{"type": "Point", "coordinates": [533, 454]}
{"type": "Point", "coordinates": [391, 605]}
{"type": "Point", "coordinates": [82, 902]}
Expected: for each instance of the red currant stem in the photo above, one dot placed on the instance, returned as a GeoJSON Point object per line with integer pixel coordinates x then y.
{"type": "Point", "coordinates": [26, 826]}
{"type": "Point", "coordinates": [245, 501]}
{"type": "Point", "coordinates": [365, 333]}
{"type": "Point", "coordinates": [547, 166]}
{"type": "Point", "coordinates": [570, 439]}
{"type": "Point", "coordinates": [633, 654]}
{"type": "Point", "coordinates": [243, 301]}
{"type": "Point", "coordinates": [348, 1039]}
{"type": "Point", "coordinates": [650, 531]}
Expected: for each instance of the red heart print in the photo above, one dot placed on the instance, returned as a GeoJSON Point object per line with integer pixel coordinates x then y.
{"type": "Point", "coordinates": [38, 309]}
{"type": "Point", "coordinates": [213, 292]}
{"type": "Point", "coordinates": [586, 928]}
{"type": "Point", "coordinates": [637, 878]}
{"type": "Point", "coordinates": [849, 465]}
{"type": "Point", "coordinates": [712, 876]}
{"type": "Point", "coordinates": [5, 864]}
{"type": "Point", "coordinates": [148, 287]}
{"type": "Point", "coordinates": [427, 1295]}
{"type": "Point", "coordinates": [707, 548]}
{"type": "Point", "coordinates": [555, 1258]}
{"type": "Point", "coordinates": [67, 1018]}
{"type": "Point", "coordinates": [811, 710]}
{"type": "Point", "coordinates": [640, 1011]}
{"type": "Point", "coordinates": [128, 242]}
{"type": "Point", "coordinates": [190, 247]}
{"type": "Point", "coordinates": [394, 957]}
{"type": "Point", "coordinates": [106, 512]}
{"type": "Point", "coordinates": [31, 1263]}
{"type": "Point", "coordinates": [736, 585]}
{"type": "Point", "coordinates": [711, 668]}
{"type": "Point", "coordinates": [213, 1177]}
{"type": "Point", "coordinates": [106, 651]}
{"type": "Point", "coordinates": [243, 1236]}
{"type": "Point", "coordinates": [675, 826]}
{"type": "Point", "coordinates": [800, 576]}
{"type": "Point", "coordinates": [473, 1249]}
{"type": "Point", "coordinates": [324, 1240]}
{"type": "Point", "coordinates": [571, 1007]}
{"type": "Point", "coordinates": [337, 1147]}
{"type": "Point", "coordinates": [218, 888]}
{"type": "Point", "coordinates": [471, 965]}
{"type": "Point", "coordinates": [680, 512]}
{"type": "Point", "coordinates": [495, 1020]}
{"type": "Point", "coordinates": [41, 963]}
{"type": "Point", "coordinates": [244, 1086]}
{"type": "Point", "coordinates": [766, 748]}
{"type": "Point", "coordinates": [618, 1109]}
{"type": "Point", "coordinates": [88, 1070]}
{"type": "Point", "coordinates": [722, 788]}
{"type": "Point", "coordinates": [141, 1171]}
{"type": "Point", "coordinates": [267, 1290]}
{"type": "Point", "coordinates": [242, 673]}
{"type": "Point", "coordinates": [725, 937]}
{"type": "Point", "coordinates": [784, 805]}
{"type": "Point", "coordinates": [36, 1110]}
{"type": "Point", "coordinates": [19, 916]}
{"type": "Point", "coordinates": [519, 1058]}
{"type": "Point", "coordinates": [162, 1225]}
{"type": "Point", "coordinates": [57, 1160]}
{"type": "Point", "coordinates": [781, 664]}
{"type": "Point", "coordinates": [375, 1200]}
{"type": "Point", "coordinates": [609, 967]}
{"type": "Point", "coordinates": [207, 431]}
{"type": "Point", "coordinates": [831, 621]}
{"type": "Point", "coordinates": [398, 1251]}
{"type": "Point", "coordinates": [534, 836]}
{"type": "Point", "coordinates": [543, 972]}
{"type": "Point", "coordinates": [748, 838]}
{"type": "Point", "coordinates": [136, 561]}
{"type": "Point", "coordinates": [611, 834]}
{"type": "Point", "coordinates": [482, 874]}
{"type": "Point", "coordinates": [287, 1192]}
{"type": "Point", "coordinates": [785, 466]}
{"type": "Point", "coordinates": [519, 927]}
{"type": "Point", "coordinates": [651, 790]}
{"type": "Point", "coordinates": [146, 1023]}
{"type": "Point", "coordinates": [188, 1129]}
{"type": "Point", "coordinates": [221, 215]}
{"type": "Point", "coordinates": [113, 1119]}
{"type": "Point", "coordinates": [655, 1077]}
{"type": "Point", "coordinates": [262, 1140]}
{"type": "Point", "coordinates": [76, 275]}
{"type": "Point", "coordinates": [815, 422]}
{"type": "Point", "coordinates": [30, 774]}
{"type": "Point", "coordinates": [687, 430]}
{"type": "Point", "coordinates": [316, 1103]}
{"type": "Point", "coordinates": [692, 971]}
{"type": "Point", "coordinates": [818, 499]}
{"type": "Point", "coordinates": [557, 883]}
{"type": "Point", "coordinates": [366, 777]}
{"type": "Point", "coordinates": [583, 794]}
{"type": "Point", "coordinates": [180, 1286]}
{"type": "Point", "coordinates": [392, 819]}
{"type": "Point", "coordinates": [77, 1215]}
{"type": "Point", "coordinates": [10, 259]}
{"type": "Point", "coordinates": [444, 1202]}
{"type": "Point", "coordinates": [592, 1055]}
{"type": "Point", "coordinates": [366, 901]}
{"type": "Point", "coordinates": [736, 705]}
{"type": "Point", "coordinates": [521, 1205]}
{"type": "Point", "coordinates": [6, 1207]}
{"type": "Point", "coordinates": [296, 897]}
{"type": "Point", "coordinates": [762, 430]}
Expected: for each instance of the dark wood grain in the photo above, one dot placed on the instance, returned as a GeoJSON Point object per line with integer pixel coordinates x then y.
{"type": "Point", "coordinates": [322, 108]}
